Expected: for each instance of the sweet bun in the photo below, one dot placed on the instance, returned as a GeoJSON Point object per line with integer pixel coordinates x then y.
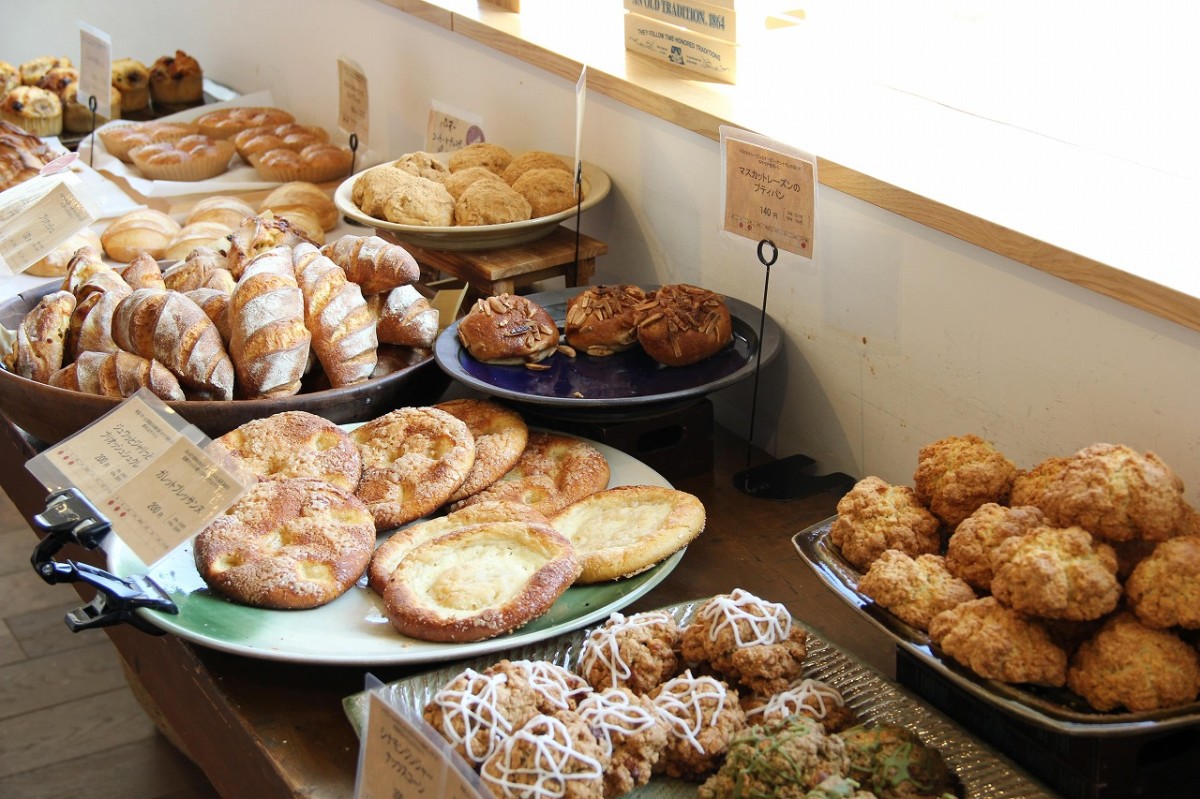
{"type": "Point", "coordinates": [225, 123]}
{"type": "Point", "coordinates": [122, 137]}
{"type": "Point", "coordinates": [294, 444]}
{"type": "Point", "coordinates": [176, 81]}
{"type": "Point", "coordinates": [191, 158]}
{"type": "Point", "coordinates": [479, 581]}
{"type": "Point", "coordinates": [685, 324]}
{"type": "Point", "coordinates": [625, 530]}
{"type": "Point", "coordinates": [602, 320]}
{"type": "Point", "coordinates": [132, 78]}
{"type": "Point", "coordinates": [290, 544]}
{"type": "Point", "coordinates": [500, 437]}
{"type": "Point", "coordinates": [315, 163]}
{"type": "Point", "coordinates": [508, 329]}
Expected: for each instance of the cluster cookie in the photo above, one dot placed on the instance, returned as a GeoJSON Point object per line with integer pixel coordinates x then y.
{"type": "Point", "coordinates": [480, 184]}
{"type": "Point", "coordinates": [1080, 572]}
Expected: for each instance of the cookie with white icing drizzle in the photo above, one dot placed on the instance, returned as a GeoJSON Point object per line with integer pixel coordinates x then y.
{"type": "Point", "coordinates": [476, 712]}
{"type": "Point", "coordinates": [638, 652]}
{"type": "Point", "coordinates": [632, 733]}
{"type": "Point", "coordinates": [548, 758]}
{"type": "Point", "coordinates": [704, 714]}
{"type": "Point", "coordinates": [817, 700]}
{"type": "Point", "coordinates": [555, 687]}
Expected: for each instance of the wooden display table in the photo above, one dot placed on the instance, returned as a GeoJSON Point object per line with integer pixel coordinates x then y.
{"type": "Point", "coordinates": [505, 270]}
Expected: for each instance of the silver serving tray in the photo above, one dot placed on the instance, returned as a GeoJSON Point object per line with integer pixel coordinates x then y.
{"type": "Point", "coordinates": [984, 774]}
{"type": "Point", "coordinates": [1052, 708]}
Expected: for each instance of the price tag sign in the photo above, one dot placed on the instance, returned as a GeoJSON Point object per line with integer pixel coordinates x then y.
{"type": "Point", "coordinates": [95, 69]}
{"type": "Point", "coordinates": [769, 191]}
{"type": "Point", "coordinates": [145, 472]}
{"type": "Point", "coordinates": [450, 129]}
{"type": "Point", "coordinates": [399, 759]}
{"type": "Point", "coordinates": [354, 109]}
{"type": "Point", "coordinates": [38, 215]}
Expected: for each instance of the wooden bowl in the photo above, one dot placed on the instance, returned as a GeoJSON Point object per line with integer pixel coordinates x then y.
{"type": "Point", "coordinates": [51, 414]}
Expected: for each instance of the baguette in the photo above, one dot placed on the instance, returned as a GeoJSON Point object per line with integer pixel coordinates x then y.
{"type": "Point", "coordinates": [168, 327]}
{"type": "Point", "coordinates": [143, 272]}
{"type": "Point", "coordinates": [268, 340]}
{"type": "Point", "coordinates": [343, 330]}
{"type": "Point", "coordinates": [404, 317]}
{"type": "Point", "coordinates": [117, 374]}
{"type": "Point", "coordinates": [373, 263]}
{"type": "Point", "coordinates": [41, 338]}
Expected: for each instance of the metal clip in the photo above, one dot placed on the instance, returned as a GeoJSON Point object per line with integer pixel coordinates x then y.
{"type": "Point", "coordinates": [70, 518]}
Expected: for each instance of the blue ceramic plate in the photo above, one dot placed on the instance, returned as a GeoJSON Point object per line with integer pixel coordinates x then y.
{"type": "Point", "coordinates": [353, 629]}
{"type": "Point", "coordinates": [613, 381]}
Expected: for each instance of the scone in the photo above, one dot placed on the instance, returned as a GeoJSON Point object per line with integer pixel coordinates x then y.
{"type": "Point", "coordinates": [548, 191]}
{"type": "Point", "coordinates": [176, 81]}
{"type": "Point", "coordinates": [132, 78]}
{"type": "Point", "coordinates": [491, 202]}
{"type": "Point", "coordinates": [423, 165]}
{"type": "Point", "coordinates": [485, 154]}
{"type": "Point", "coordinates": [533, 159]}
{"type": "Point", "coordinates": [458, 182]}
{"type": "Point", "coordinates": [508, 329]}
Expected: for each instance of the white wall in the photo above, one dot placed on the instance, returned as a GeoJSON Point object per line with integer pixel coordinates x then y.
{"type": "Point", "coordinates": [895, 334]}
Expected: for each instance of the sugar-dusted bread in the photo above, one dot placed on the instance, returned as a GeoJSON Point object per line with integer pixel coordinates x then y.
{"type": "Point", "coordinates": [292, 543]}
{"type": "Point", "coordinates": [91, 322]}
{"type": "Point", "coordinates": [479, 581]}
{"type": "Point", "coordinates": [268, 340]}
{"type": "Point", "coordinates": [294, 444]}
{"type": "Point", "coordinates": [374, 264]}
{"type": "Point", "coordinates": [500, 438]}
{"type": "Point", "coordinates": [343, 330]}
{"type": "Point", "coordinates": [41, 338]}
{"type": "Point", "coordinates": [215, 304]}
{"type": "Point", "coordinates": [168, 327]}
{"type": "Point", "coordinates": [117, 374]}
{"type": "Point", "coordinates": [621, 531]}
{"type": "Point", "coordinates": [403, 316]}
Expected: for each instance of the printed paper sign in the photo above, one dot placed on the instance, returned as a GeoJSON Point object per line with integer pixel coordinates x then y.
{"type": "Point", "coordinates": [38, 215]}
{"type": "Point", "coordinates": [450, 129]}
{"type": "Point", "coordinates": [150, 480]}
{"type": "Point", "coordinates": [95, 69]}
{"type": "Point", "coordinates": [769, 192]}
{"type": "Point", "coordinates": [354, 108]}
{"type": "Point", "coordinates": [580, 105]}
{"type": "Point", "coordinates": [397, 759]}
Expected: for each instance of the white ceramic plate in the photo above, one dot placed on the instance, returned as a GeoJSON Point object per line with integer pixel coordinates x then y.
{"type": "Point", "coordinates": [353, 629]}
{"type": "Point", "coordinates": [477, 237]}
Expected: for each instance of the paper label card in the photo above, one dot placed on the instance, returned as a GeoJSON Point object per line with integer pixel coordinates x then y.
{"type": "Point", "coordinates": [354, 107]}
{"type": "Point", "coordinates": [399, 759]}
{"type": "Point", "coordinates": [38, 215]}
{"type": "Point", "coordinates": [580, 105]}
{"type": "Point", "coordinates": [154, 483]}
{"type": "Point", "coordinates": [770, 192]}
{"type": "Point", "coordinates": [95, 69]}
{"type": "Point", "coordinates": [450, 129]}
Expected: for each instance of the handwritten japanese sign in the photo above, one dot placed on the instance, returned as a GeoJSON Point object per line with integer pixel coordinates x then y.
{"type": "Point", "coordinates": [769, 193]}
{"type": "Point", "coordinates": [354, 107]}
{"type": "Point", "coordinates": [397, 760]}
{"type": "Point", "coordinates": [450, 129]}
{"type": "Point", "coordinates": [154, 484]}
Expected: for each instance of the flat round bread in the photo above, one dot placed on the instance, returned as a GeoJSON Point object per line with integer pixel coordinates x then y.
{"type": "Point", "coordinates": [479, 581]}
{"type": "Point", "coordinates": [625, 530]}
{"type": "Point", "coordinates": [500, 437]}
{"type": "Point", "coordinates": [413, 460]}
{"type": "Point", "coordinates": [294, 444]}
{"type": "Point", "coordinates": [389, 554]}
{"type": "Point", "coordinates": [553, 471]}
{"type": "Point", "coordinates": [290, 543]}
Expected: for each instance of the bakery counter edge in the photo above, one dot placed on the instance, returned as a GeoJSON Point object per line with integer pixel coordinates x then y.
{"type": "Point", "coordinates": [268, 728]}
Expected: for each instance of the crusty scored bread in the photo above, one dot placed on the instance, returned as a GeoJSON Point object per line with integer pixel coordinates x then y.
{"type": "Point", "coordinates": [372, 263]}
{"type": "Point", "coordinates": [117, 374]}
{"type": "Point", "coordinates": [41, 338]}
{"type": "Point", "coordinates": [168, 327]}
{"type": "Point", "coordinates": [291, 543]}
{"type": "Point", "coordinates": [625, 530]}
{"type": "Point", "coordinates": [268, 340]}
{"type": "Point", "coordinates": [403, 316]}
{"type": "Point", "coordinates": [479, 581]}
{"type": "Point", "coordinates": [342, 327]}
{"type": "Point", "coordinates": [389, 554]}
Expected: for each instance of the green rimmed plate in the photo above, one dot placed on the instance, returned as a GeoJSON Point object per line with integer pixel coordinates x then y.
{"type": "Point", "coordinates": [353, 630]}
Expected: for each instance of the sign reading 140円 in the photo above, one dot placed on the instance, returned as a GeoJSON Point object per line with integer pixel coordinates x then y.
{"type": "Point", "coordinates": [769, 192]}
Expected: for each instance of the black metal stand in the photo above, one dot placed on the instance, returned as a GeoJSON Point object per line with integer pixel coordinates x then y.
{"type": "Point", "coordinates": [69, 518]}
{"type": "Point", "coordinates": [791, 477]}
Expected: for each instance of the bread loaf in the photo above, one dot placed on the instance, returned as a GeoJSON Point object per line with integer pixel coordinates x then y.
{"type": "Point", "coordinates": [215, 304]}
{"type": "Point", "coordinates": [301, 194]}
{"type": "Point", "coordinates": [95, 312]}
{"type": "Point", "coordinates": [41, 338]}
{"type": "Point", "coordinates": [403, 316]}
{"type": "Point", "coordinates": [55, 262]}
{"type": "Point", "coordinates": [117, 374]}
{"type": "Point", "coordinates": [225, 210]}
{"type": "Point", "coordinates": [203, 267]}
{"type": "Point", "coordinates": [198, 234]}
{"type": "Point", "coordinates": [168, 327]}
{"type": "Point", "coordinates": [143, 272]}
{"type": "Point", "coordinates": [268, 340]}
{"type": "Point", "coordinates": [143, 231]}
{"type": "Point", "coordinates": [86, 261]}
{"type": "Point", "coordinates": [373, 263]}
{"type": "Point", "coordinates": [342, 327]}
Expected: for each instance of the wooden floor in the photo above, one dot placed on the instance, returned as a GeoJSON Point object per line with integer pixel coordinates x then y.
{"type": "Point", "coordinates": [69, 724]}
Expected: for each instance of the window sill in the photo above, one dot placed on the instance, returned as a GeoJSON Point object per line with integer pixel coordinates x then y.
{"type": "Point", "coordinates": [1095, 220]}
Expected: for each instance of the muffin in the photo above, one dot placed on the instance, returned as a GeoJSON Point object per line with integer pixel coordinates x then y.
{"type": "Point", "coordinates": [33, 69]}
{"type": "Point", "coordinates": [58, 80]}
{"type": "Point", "coordinates": [10, 78]}
{"type": "Point", "coordinates": [132, 78]}
{"type": "Point", "coordinates": [77, 117]}
{"type": "Point", "coordinates": [36, 110]}
{"type": "Point", "coordinates": [176, 81]}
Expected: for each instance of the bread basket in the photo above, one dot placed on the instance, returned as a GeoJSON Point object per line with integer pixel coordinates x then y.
{"type": "Point", "coordinates": [50, 414]}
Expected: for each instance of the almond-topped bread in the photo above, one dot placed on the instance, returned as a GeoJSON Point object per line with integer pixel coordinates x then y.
{"type": "Point", "coordinates": [479, 581]}
{"type": "Point", "coordinates": [684, 324]}
{"type": "Point", "coordinates": [508, 329]}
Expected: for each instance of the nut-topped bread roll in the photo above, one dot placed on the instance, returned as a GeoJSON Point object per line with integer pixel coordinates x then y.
{"type": "Point", "coordinates": [170, 328]}
{"type": "Point", "coordinates": [343, 330]}
{"type": "Point", "coordinates": [268, 341]}
{"type": "Point", "coordinates": [602, 320]}
{"type": "Point", "coordinates": [374, 264]}
{"type": "Point", "coordinates": [685, 324]}
{"type": "Point", "coordinates": [508, 329]}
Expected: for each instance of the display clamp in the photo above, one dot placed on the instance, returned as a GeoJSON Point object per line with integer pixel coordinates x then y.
{"type": "Point", "coordinates": [70, 518]}
{"type": "Point", "coordinates": [791, 477]}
